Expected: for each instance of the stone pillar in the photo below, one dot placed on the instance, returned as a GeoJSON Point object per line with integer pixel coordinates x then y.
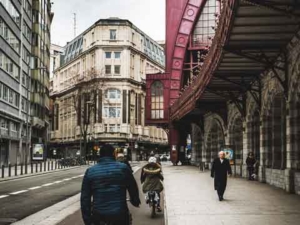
{"type": "Point", "coordinates": [174, 144]}
{"type": "Point", "coordinates": [292, 148]}
{"type": "Point", "coordinates": [265, 145]}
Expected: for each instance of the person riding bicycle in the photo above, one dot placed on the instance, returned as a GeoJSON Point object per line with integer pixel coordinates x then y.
{"type": "Point", "coordinates": [151, 178]}
{"type": "Point", "coordinates": [103, 193]}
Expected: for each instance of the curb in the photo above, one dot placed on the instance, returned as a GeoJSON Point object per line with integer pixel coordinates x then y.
{"type": "Point", "coordinates": [37, 174]}
{"type": "Point", "coordinates": [61, 210]}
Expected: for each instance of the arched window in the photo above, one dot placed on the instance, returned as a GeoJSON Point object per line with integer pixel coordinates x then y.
{"type": "Point", "coordinates": [157, 100]}
{"type": "Point", "coordinates": [113, 94]}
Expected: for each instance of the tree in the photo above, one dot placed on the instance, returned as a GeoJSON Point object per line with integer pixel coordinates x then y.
{"type": "Point", "coordinates": [84, 99]}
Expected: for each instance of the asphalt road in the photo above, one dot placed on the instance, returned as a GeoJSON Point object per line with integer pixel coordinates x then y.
{"type": "Point", "coordinates": [23, 197]}
{"type": "Point", "coordinates": [141, 216]}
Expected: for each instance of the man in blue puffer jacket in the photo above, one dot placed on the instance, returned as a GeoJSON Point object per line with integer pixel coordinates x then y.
{"type": "Point", "coordinates": [106, 183]}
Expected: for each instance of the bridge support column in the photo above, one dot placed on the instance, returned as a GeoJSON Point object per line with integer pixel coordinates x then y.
{"type": "Point", "coordinates": [177, 140]}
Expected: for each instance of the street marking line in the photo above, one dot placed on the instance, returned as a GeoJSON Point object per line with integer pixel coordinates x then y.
{"type": "Point", "coordinates": [74, 177]}
{"type": "Point", "coordinates": [57, 182]}
{"type": "Point", "coordinates": [34, 188]}
{"type": "Point", "coordinates": [3, 196]}
{"type": "Point", "coordinates": [67, 179]}
{"type": "Point", "coordinates": [46, 185]}
{"type": "Point", "coordinates": [18, 192]}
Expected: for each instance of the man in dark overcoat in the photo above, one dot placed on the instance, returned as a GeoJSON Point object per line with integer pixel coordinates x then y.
{"type": "Point", "coordinates": [220, 170]}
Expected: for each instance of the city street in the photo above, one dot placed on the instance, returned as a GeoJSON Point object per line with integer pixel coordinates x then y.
{"type": "Point", "coordinates": [23, 197]}
{"type": "Point", "coordinates": [141, 216]}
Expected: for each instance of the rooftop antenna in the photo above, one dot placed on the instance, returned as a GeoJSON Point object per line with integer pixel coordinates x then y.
{"type": "Point", "coordinates": [75, 24]}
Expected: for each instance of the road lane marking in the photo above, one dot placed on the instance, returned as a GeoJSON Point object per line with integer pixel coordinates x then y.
{"type": "Point", "coordinates": [67, 179]}
{"type": "Point", "coordinates": [57, 182]}
{"type": "Point", "coordinates": [18, 192]}
{"type": "Point", "coordinates": [3, 196]}
{"type": "Point", "coordinates": [46, 185]}
{"type": "Point", "coordinates": [34, 188]}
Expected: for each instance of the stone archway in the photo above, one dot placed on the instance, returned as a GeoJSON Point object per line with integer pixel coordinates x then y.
{"type": "Point", "coordinates": [236, 141]}
{"type": "Point", "coordinates": [273, 140]}
{"type": "Point", "coordinates": [197, 143]}
{"type": "Point", "coordinates": [214, 141]}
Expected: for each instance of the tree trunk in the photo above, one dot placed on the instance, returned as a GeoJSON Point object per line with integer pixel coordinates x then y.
{"type": "Point", "coordinates": [84, 149]}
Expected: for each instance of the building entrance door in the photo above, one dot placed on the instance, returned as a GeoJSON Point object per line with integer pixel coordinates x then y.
{"type": "Point", "coordinates": [3, 153]}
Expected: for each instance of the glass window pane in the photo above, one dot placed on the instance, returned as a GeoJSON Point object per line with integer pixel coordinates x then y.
{"type": "Point", "coordinates": [117, 55]}
{"type": "Point", "coordinates": [108, 55]}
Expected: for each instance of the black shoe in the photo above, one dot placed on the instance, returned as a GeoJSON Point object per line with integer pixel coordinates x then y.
{"type": "Point", "coordinates": [159, 209]}
{"type": "Point", "coordinates": [221, 198]}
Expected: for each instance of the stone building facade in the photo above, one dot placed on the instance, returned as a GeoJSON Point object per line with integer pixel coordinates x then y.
{"type": "Point", "coordinates": [118, 56]}
{"type": "Point", "coordinates": [271, 132]}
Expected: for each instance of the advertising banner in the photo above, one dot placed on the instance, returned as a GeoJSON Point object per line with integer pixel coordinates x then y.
{"type": "Point", "coordinates": [229, 154]}
{"type": "Point", "coordinates": [38, 152]}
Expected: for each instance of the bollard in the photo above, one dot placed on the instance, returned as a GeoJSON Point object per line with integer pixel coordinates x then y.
{"type": "Point", "coordinates": [9, 170]}
{"type": "Point", "coordinates": [55, 165]}
{"type": "Point", "coordinates": [31, 165]}
{"type": "Point", "coordinates": [41, 166]}
{"type": "Point", "coordinates": [48, 165]}
{"type": "Point", "coordinates": [36, 167]}
{"type": "Point", "coordinates": [21, 169]}
{"type": "Point", "coordinates": [16, 170]}
{"type": "Point", "coordinates": [44, 166]}
{"type": "Point", "coordinates": [51, 165]}
{"type": "Point", "coordinates": [2, 174]}
{"type": "Point", "coordinates": [26, 168]}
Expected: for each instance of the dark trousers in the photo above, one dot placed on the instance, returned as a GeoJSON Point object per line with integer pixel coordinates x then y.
{"type": "Point", "coordinates": [124, 219]}
{"type": "Point", "coordinates": [250, 172]}
{"type": "Point", "coordinates": [221, 190]}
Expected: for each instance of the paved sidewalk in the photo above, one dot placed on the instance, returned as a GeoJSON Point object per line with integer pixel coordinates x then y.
{"type": "Point", "coordinates": [191, 200]}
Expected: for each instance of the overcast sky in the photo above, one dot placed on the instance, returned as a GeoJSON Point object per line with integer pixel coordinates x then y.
{"type": "Point", "coordinates": [148, 15]}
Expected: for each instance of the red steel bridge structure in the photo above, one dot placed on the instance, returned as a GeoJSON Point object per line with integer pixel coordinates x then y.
{"type": "Point", "coordinates": [218, 52]}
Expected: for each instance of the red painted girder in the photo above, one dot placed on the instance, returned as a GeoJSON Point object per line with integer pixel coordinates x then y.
{"type": "Point", "coordinates": [186, 103]}
{"type": "Point", "coordinates": [188, 21]}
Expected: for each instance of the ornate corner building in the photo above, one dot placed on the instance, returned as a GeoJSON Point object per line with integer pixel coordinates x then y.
{"type": "Point", "coordinates": [98, 91]}
{"type": "Point", "coordinates": [232, 79]}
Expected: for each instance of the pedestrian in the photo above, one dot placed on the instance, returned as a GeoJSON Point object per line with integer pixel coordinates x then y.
{"type": "Point", "coordinates": [220, 170]}
{"type": "Point", "coordinates": [251, 161]}
{"type": "Point", "coordinates": [123, 159]}
{"type": "Point", "coordinates": [103, 193]}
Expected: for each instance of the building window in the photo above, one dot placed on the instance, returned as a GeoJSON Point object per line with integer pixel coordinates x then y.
{"type": "Point", "coordinates": [114, 128]}
{"type": "Point", "coordinates": [113, 34]}
{"type": "Point", "coordinates": [117, 70]}
{"type": "Point", "coordinates": [117, 55]}
{"type": "Point", "coordinates": [27, 31]}
{"type": "Point", "coordinates": [108, 69]}
{"type": "Point", "coordinates": [5, 93]}
{"type": "Point", "coordinates": [105, 128]}
{"type": "Point", "coordinates": [11, 96]}
{"type": "Point", "coordinates": [12, 11]}
{"type": "Point", "coordinates": [157, 100]}
{"type": "Point", "coordinates": [113, 94]}
{"type": "Point", "coordinates": [9, 36]}
{"type": "Point", "coordinates": [108, 55]}
{"type": "Point", "coordinates": [9, 66]}
{"type": "Point", "coordinates": [14, 126]}
{"type": "Point", "coordinates": [112, 112]}
{"type": "Point", "coordinates": [4, 124]}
